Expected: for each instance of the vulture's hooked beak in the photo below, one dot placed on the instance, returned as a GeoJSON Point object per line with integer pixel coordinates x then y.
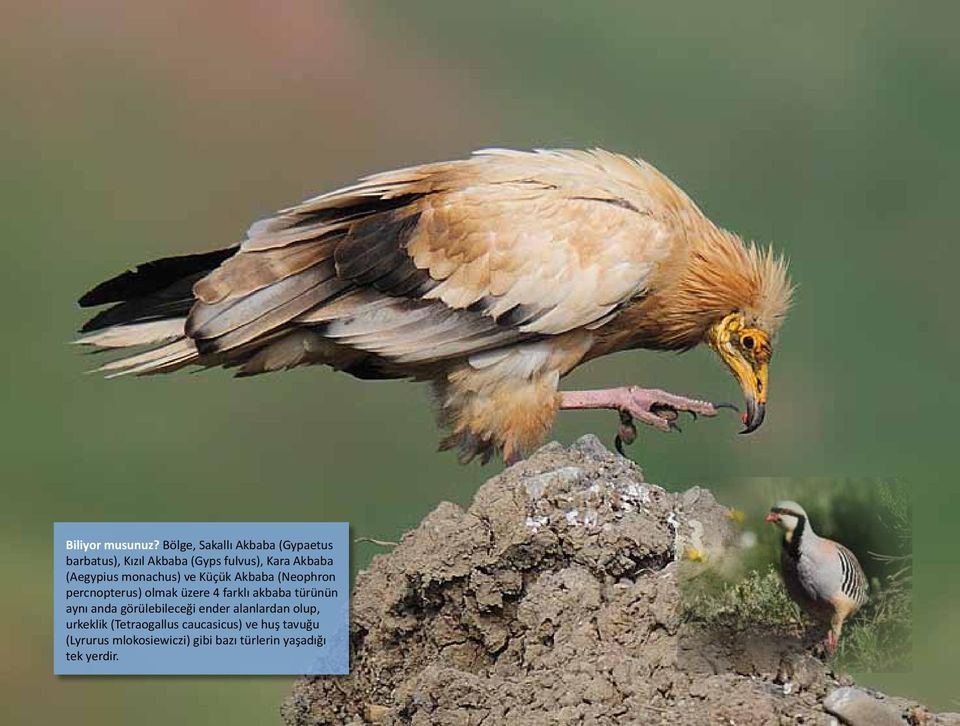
{"type": "Point", "coordinates": [746, 351]}
{"type": "Point", "coordinates": [753, 382]}
{"type": "Point", "coordinates": [772, 517]}
{"type": "Point", "coordinates": [756, 408]}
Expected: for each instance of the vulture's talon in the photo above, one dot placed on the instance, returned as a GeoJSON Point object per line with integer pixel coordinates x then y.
{"type": "Point", "coordinates": [665, 411]}
{"type": "Point", "coordinates": [618, 445]}
{"type": "Point", "coordinates": [731, 406]}
{"type": "Point", "coordinates": [626, 434]}
{"type": "Point", "coordinates": [651, 406]}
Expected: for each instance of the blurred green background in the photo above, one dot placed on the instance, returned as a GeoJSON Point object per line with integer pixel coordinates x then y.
{"type": "Point", "coordinates": [136, 130]}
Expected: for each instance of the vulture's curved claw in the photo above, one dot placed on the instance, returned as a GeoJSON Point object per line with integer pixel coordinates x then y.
{"type": "Point", "coordinates": [626, 434]}
{"type": "Point", "coordinates": [731, 406]}
{"type": "Point", "coordinates": [618, 445]}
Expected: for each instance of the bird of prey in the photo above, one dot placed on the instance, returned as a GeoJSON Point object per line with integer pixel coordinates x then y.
{"type": "Point", "coordinates": [491, 277]}
{"type": "Point", "coordinates": [822, 576]}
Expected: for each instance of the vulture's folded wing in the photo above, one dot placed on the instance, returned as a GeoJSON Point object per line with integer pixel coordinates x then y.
{"type": "Point", "coordinates": [416, 265]}
{"type": "Point", "coordinates": [451, 258]}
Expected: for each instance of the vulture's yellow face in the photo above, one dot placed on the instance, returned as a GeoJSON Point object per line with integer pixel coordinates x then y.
{"type": "Point", "coordinates": [746, 351]}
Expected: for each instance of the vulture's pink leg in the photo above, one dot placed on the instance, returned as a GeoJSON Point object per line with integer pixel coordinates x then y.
{"type": "Point", "coordinates": [650, 405]}
{"type": "Point", "coordinates": [646, 404]}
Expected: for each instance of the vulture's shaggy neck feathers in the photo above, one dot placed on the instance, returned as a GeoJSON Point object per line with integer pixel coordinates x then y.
{"type": "Point", "coordinates": [721, 275]}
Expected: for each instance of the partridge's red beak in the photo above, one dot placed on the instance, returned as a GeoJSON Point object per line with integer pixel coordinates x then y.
{"type": "Point", "coordinates": [772, 517]}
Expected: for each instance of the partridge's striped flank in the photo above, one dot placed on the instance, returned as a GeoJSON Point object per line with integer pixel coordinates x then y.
{"type": "Point", "coordinates": [854, 582]}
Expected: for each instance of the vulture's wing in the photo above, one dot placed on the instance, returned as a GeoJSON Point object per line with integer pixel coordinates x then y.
{"type": "Point", "coordinates": [446, 260]}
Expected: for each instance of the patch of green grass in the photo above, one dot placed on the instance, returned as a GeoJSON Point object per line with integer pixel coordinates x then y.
{"type": "Point", "coordinates": [876, 639]}
{"type": "Point", "coordinates": [758, 599]}
{"type": "Point", "coordinates": [879, 637]}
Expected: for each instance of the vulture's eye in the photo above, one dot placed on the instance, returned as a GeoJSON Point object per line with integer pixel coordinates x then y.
{"type": "Point", "coordinates": [747, 342]}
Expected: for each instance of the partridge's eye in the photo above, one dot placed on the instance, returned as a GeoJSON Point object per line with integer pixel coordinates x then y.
{"type": "Point", "coordinates": [747, 342]}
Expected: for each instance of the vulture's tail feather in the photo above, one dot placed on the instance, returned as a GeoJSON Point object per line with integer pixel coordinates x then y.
{"type": "Point", "coordinates": [164, 359]}
{"type": "Point", "coordinates": [150, 307]}
{"type": "Point", "coordinates": [154, 277]}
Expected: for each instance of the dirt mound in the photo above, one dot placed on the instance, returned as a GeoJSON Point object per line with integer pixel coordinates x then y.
{"type": "Point", "coordinates": [554, 600]}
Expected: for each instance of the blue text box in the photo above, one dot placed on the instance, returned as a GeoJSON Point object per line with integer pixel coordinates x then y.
{"type": "Point", "coordinates": [216, 598]}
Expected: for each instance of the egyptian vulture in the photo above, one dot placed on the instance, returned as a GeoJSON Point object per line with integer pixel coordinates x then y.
{"type": "Point", "coordinates": [491, 277]}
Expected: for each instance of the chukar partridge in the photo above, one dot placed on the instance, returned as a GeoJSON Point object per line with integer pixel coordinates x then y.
{"type": "Point", "coordinates": [822, 576]}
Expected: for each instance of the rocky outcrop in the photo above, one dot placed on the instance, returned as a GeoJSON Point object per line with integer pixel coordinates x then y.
{"type": "Point", "coordinates": [554, 600]}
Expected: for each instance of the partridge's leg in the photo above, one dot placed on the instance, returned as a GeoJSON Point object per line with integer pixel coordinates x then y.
{"type": "Point", "coordinates": [650, 405]}
{"type": "Point", "coordinates": [831, 642]}
{"type": "Point", "coordinates": [833, 635]}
